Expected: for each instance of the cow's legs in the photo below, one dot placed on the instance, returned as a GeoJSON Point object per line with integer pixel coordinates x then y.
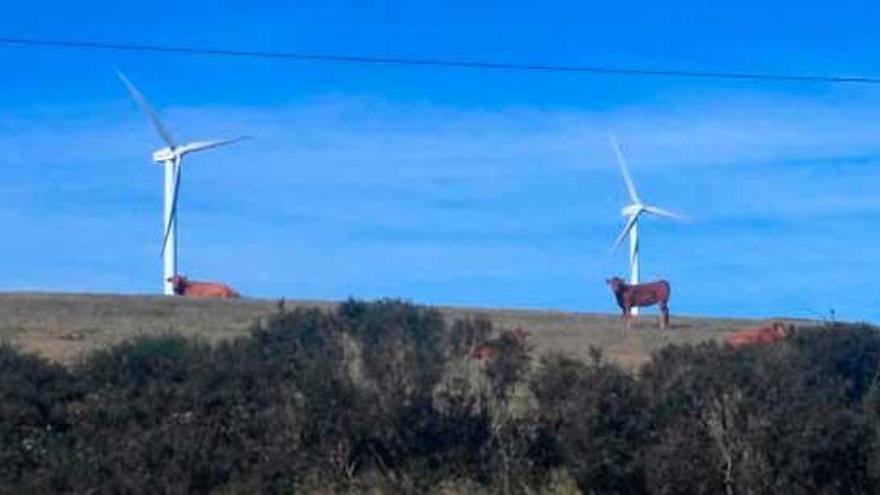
{"type": "Point", "coordinates": [664, 316]}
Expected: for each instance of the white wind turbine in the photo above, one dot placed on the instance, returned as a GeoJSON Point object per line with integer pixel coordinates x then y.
{"type": "Point", "coordinates": [172, 157]}
{"type": "Point", "coordinates": [632, 212]}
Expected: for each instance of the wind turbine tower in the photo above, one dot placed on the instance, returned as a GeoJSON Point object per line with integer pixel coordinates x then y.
{"type": "Point", "coordinates": [171, 157]}
{"type": "Point", "coordinates": [632, 213]}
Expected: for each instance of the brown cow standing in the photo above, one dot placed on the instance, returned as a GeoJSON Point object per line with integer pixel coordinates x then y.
{"type": "Point", "coordinates": [647, 294]}
{"type": "Point", "coordinates": [764, 335]}
{"type": "Point", "coordinates": [184, 287]}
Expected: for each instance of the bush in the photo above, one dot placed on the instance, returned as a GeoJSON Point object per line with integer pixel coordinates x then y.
{"type": "Point", "coordinates": [598, 418]}
{"type": "Point", "coordinates": [34, 422]}
{"type": "Point", "coordinates": [762, 419]}
{"type": "Point", "coordinates": [386, 398]}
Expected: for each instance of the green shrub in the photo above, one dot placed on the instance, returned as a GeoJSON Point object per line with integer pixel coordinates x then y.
{"type": "Point", "coordinates": [598, 419]}
{"type": "Point", "coordinates": [35, 427]}
{"type": "Point", "coordinates": [374, 398]}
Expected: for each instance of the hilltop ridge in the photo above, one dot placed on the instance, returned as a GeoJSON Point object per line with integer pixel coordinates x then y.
{"type": "Point", "coordinates": [62, 326]}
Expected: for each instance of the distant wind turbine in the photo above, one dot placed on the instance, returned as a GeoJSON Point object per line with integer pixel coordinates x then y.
{"type": "Point", "coordinates": [172, 157]}
{"type": "Point", "coordinates": [632, 213]}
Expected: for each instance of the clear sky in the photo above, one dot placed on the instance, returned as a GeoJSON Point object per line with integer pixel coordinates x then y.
{"type": "Point", "coordinates": [443, 186]}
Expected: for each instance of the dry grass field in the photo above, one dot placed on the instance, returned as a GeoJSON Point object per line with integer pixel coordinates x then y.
{"type": "Point", "coordinates": [62, 327]}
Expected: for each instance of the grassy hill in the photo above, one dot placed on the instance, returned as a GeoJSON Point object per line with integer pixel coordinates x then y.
{"type": "Point", "coordinates": [63, 326]}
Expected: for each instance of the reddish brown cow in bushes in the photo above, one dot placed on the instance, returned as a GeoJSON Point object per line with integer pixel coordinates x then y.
{"type": "Point", "coordinates": [490, 349]}
{"type": "Point", "coordinates": [764, 335]}
{"type": "Point", "coordinates": [647, 294]}
{"type": "Point", "coordinates": [485, 352]}
{"type": "Point", "coordinates": [184, 287]}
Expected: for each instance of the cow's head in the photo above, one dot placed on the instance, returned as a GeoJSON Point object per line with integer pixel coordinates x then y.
{"type": "Point", "coordinates": [521, 335]}
{"type": "Point", "coordinates": [616, 284]}
{"type": "Point", "coordinates": [779, 329]}
{"type": "Point", "coordinates": [178, 284]}
{"type": "Point", "coordinates": [517, 337]}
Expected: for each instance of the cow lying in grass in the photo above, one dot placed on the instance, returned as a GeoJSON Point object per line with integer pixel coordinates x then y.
{"type": "Point", "coordinates": [764, 335]}
{"type": "Point", "coordinates": [648, 294]}
{"type": "Point", "coordinates": [184, 287]}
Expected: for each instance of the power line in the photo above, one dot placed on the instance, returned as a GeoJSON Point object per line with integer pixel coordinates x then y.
{"type": "Point", "coordinates": [443, 63]}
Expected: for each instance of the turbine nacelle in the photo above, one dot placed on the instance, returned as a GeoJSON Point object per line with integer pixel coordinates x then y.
{"type": "Point", "coordinates": [164, 155]}
{"type": "Point", "coordinates": [631, 210]}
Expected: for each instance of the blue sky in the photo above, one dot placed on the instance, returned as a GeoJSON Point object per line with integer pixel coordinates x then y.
{"type": "Point", "coordinates": [450, 186]}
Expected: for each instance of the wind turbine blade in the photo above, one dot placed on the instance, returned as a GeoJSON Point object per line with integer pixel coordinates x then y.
{"type": "Point", "coordinates": [664, 213]}
{"type": "Point", "coordinates": [629, 225]}
{"type": "Point", "coordinates": [621, 160]}
{"type": "Point", "coordinates": [147, 109]}
{"type": "Point", "coordinates": [205, 145]}
{"type": "Point", "coordinates": [173, 214]}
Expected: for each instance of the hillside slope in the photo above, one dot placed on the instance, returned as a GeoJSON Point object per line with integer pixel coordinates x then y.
{"type": "Point", "coordinates": [64, 326]}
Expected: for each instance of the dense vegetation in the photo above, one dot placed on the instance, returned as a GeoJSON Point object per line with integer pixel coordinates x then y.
{"type": "Point", "coordinates": [387, 398]}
